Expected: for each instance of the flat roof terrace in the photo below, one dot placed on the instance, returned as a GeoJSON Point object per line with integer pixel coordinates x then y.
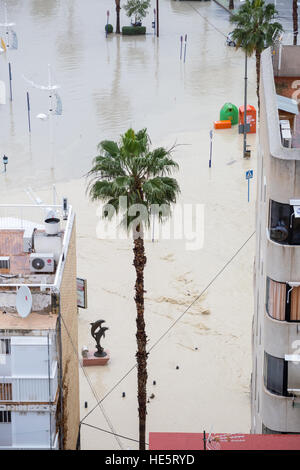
{"type": "Point", "coordinates": [287, 87]}
{"type": "Point", "coordinates": [12, 246]}
{"type": "Point", "coordinates": [35, 321]}
{"type": "Point", "coordinates": [26, 231]}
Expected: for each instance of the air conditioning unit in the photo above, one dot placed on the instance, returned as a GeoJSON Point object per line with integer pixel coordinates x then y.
{"type": "Point", "coordinates": [286, 138]}
{"type": "Point", "coordinates": [285, 124]}
{"type": "Point", "coordinates": [42, 263]}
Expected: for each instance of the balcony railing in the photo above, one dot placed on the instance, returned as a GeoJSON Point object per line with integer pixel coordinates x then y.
{"type": "Point", "coordinates": [29, 389]}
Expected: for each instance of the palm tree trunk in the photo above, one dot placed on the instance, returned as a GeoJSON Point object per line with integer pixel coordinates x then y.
{"type": "Point", "coordinates": [231, 4]}
{"type": "Point", "coordinates": [141, 355]}
{"type": "Point", "coordinates": [118, 8]}
{"type": "Point", "coordinates": [257, 55]}
{"type": "Point", "coordinates": [295, 21]}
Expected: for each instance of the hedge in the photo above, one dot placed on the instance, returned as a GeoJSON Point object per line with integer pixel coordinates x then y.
{"type": "Point", "coordinates": [132, 30]}
{"type": "Point", "coordinates": [109, 28]}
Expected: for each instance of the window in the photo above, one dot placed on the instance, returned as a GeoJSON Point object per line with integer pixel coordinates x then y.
{"type": "Point", "coordinates": [279, 222]}
{"type": "Point", "coordinates": [293, 383]}
{"type": "Point", "coordinates": [282, 301]}
{"type": "Point", "coordinates": [276, 299]}
{"type": "Point", "coordinates": [275, 375]}
{"type": "Point", "coordinates": [5, 416]}
{"type": "Point", "coordinates": [5, 391]}
{"type": "Point", "coordinates": [4, 346]}
{"type": "Point", "coordinates": [294, 314]}
{"type": "Point", "coordinates": [295, 233]}
{"type": "Point", "coordinates": [284, 227]}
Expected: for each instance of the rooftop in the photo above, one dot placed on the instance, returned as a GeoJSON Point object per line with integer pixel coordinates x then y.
{"type": "Point", "coordinates": [28, 232]}
{"type": "Point", "coordinates": [280, 79]}
{"type": "Point", "coordinates": [34, 321]}
{"type": "Point", "coordinates": [288, 107]}
{"type": "Point", "coordinates": [34, 241]}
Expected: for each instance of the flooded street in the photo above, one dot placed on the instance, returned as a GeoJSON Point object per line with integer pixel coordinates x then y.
{"type": "Point", "coordinates": [108, 85]}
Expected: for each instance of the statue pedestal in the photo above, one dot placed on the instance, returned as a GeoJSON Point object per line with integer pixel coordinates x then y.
{"type": "Point", "coordinates": [92, 360]}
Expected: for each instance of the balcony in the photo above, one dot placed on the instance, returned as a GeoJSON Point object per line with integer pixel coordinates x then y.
{"type": "Point", "coordinates": [282, 261]}
{"type": "Point", "coordinates": [285, 222]}
{"type": "Point", "coordinates": [277, 411]}
{"type": "Point", "coordinates": [28, 389]}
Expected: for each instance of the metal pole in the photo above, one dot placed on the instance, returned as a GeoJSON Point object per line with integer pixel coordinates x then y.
{"type": "Point", "coordinates": [210, 152]}
{"type": "Point", "coordinates": [248, 189]}
{"type": "Point", "coordinates": [10, 79]}
{"type": "Point", "coordinates": [28, 112]}
{"type": "Point", "coordinates": [61, 433]}
{"type": "Point", "coordinates": [245, 107]}
{"type": "Point", "coordinates": [181, 42]}
{"type": "Point", "coordinates": [185, 41]}
{"type": "Point", "coordinates": [157, 18]}
{"type": "Point", "coordinates": [153, 223]}
{"type": "Point", "coordinates": [54, 195]}
{"type": "Point", "coordinates": [49, 387]}
{"type": "Point", "coordinates": [51, 131]}
{"type": "Point", "coordinates": [107, 19]}
{"type": "Point", "coordinates": [204, 440]}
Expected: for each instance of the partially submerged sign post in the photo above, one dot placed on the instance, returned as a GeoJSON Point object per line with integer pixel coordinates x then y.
{"type": "Point", "coordinates": [249, 176]}
{"type": "Point", "coordinates": [210, 149]}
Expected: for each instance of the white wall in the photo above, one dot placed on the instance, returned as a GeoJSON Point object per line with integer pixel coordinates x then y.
{"type": "Point", "coordinates": [31, 429]}
{"type": "Point", "coordinates": [29, 369]}
{"type": "Point", "coordinates": [5, 434]}
{"type": "Point", "coordinates": [5, 365]}
{"type": "Point", "coordinates": [29, 359]}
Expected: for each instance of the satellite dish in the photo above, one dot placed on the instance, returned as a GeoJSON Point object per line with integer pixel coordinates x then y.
{"type": "Point", "coordinates": [24, 301]}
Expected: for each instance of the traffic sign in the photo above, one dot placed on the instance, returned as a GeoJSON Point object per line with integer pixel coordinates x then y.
{"type": "Point", "coordinates": [249, 176]}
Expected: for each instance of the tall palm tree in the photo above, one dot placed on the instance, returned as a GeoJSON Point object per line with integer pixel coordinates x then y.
{"type": "Point", "coordinates": [295, 21]}
{"type": "Point", "coordinates": [118, 8]}
{"type": "Point", "coordinates": [130, 170]}
{"type": "Point", "coordinates": [255, 29]}
{"type": "Point", "coordinates": [231, 4]}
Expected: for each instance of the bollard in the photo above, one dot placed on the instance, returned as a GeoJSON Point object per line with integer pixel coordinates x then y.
{"type": "Point", "coordinates": [181, 42]}
{"type": "Point", "coordinates": [185, 41]}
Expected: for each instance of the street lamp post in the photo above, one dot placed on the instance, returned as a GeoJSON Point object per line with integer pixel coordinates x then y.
{"type": "Point", "coordinates": [245, 106]}
{"type": "Point", "coordinates": [157, 18]}
{"type": "Point", "coordinates": [54, 108]}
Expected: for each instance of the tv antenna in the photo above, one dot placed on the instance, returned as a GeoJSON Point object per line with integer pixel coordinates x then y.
{"type": "Point", "coordinates": [54, 106]}
{"type": "Point", "coordinates": [24, 301]}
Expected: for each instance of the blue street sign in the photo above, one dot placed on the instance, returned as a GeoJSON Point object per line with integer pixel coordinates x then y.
{"type": "Point", "coordinates": [249, 174]}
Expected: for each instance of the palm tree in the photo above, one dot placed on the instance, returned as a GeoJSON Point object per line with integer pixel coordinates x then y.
{"type": "Point", "coordinates": [231, 4]}
{"type": "Point", "coordinates": [255, 29]}
{"type": "Point", "coordinates": [130, 170]}
{"type": "Point", "coordinates": [295, 21]}
{"type": "Point", "coordinates": [118, 8]}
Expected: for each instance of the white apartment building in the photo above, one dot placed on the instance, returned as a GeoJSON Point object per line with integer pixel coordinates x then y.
{"type": "Point", "coordinates": [39, 385]}
{"type": "Point", "coordinates": [275, 391]}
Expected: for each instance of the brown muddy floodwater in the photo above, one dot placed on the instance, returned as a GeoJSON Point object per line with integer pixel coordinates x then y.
{"type": "Point", "coordinates": [108, 85]}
